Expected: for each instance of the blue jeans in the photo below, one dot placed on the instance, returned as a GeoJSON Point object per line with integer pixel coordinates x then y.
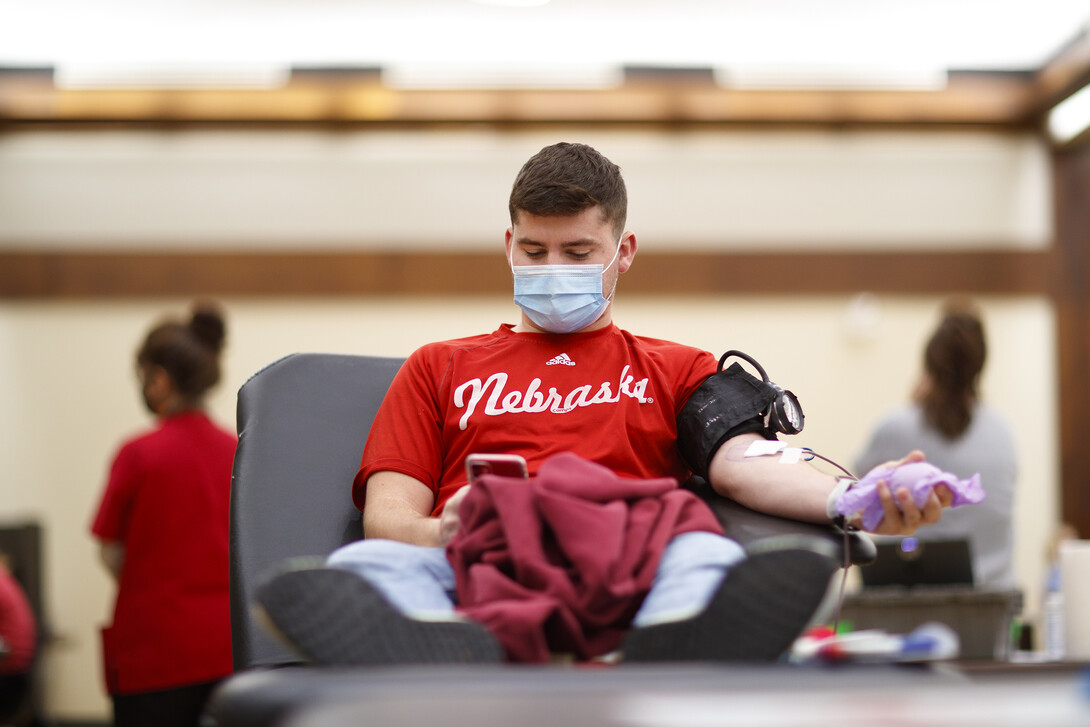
{"type": "Point", "coordinates": [419, 581]}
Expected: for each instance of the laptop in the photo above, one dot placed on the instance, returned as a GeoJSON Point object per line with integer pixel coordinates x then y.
{"type": "Point", "coordinates": [913, 562]}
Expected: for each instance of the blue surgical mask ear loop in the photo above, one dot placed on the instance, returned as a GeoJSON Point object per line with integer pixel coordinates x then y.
{"type": "Point", "coordinates": [607, 266]}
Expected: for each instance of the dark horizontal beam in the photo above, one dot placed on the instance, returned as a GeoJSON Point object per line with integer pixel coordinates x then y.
{"type": "Point", "coordinates": [33, 275]}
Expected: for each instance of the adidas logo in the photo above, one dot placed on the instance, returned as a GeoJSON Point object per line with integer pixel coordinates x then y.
{"type": "Point", "coordinates": [561, 360]}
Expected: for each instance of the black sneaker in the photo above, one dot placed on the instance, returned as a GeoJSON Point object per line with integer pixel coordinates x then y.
{"type": "Point", "coordinates": [762, 606]}
{"type": "Point", "coordinates": [334, 617]}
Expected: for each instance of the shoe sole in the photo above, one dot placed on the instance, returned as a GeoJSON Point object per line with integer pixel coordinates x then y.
{"type": "Point", "coordinates": [336, 618]}
{"type": "Point", "coordinates": [762, 606]}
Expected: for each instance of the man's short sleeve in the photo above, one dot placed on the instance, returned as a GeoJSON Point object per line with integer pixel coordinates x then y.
{"type": "Point", "coordinates": [406, 435]}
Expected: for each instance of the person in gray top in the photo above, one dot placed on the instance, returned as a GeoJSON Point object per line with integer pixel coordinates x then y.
{"type": "Point", "coordinates": [959, 434]}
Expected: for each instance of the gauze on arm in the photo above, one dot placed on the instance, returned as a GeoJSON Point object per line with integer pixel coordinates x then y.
{"type": "Point", "coordinates": [919, 478]}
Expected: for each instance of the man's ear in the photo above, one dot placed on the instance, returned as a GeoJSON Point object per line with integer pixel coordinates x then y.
{"type": "Point", "coordinates": [507, 237]}
{"type": "Point", "coordinates": [628, 252]}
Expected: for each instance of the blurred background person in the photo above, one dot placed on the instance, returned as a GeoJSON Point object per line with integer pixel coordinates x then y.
{"type": "Point", "coordinates": [18, 641]}
{"type": "Point", "coordinates": [960, 434]}
{"type": "Point", "coordinates": [162, 526]}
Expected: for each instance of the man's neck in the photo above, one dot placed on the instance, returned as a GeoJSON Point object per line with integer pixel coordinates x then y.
{"type": "Point", "coordinates": [525, 325]}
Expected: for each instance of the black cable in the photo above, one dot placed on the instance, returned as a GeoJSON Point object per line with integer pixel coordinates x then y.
{"type": "Point", "coordinates": [847, 543]}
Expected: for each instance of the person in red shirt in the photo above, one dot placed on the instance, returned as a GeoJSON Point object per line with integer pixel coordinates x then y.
{"type": "Point", "coordinates": [565, 381]}
{"type": "Point", "coordinates": [18, 643]}
{"type": "Point", "coordinates": [162, 527]}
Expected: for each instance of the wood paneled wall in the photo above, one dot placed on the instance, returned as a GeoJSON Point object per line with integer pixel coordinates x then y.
{"type": "Point", "coordinates": [31, 275]}
{"type": "Point", "coordinates": [1071, 295]}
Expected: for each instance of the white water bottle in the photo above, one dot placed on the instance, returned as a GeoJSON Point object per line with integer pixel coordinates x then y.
{"type": "Point", "coordinates": [1054, 616]}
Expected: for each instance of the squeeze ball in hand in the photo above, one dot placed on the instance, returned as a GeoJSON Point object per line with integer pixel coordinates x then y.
{"type": "Point", "coordinates": [919, 478]}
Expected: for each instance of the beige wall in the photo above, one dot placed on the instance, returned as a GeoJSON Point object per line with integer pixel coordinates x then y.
{"type": "Point", "coordinates": [70, 395]}
{"type": "Point", "coordinates": [699, 190]}
{"type": "Point", "coordinates": [66, 379]}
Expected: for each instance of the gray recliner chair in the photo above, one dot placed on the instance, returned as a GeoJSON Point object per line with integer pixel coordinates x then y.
{"type": "Point", "coordinates": [302, 424]}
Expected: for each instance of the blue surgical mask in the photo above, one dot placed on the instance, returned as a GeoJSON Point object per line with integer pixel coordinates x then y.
{"type": "Point", "coordinates": [562, 298]}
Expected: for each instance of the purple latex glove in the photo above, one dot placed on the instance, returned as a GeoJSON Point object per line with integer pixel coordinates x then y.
{"type": "Point", "coordinates": [919, 478]}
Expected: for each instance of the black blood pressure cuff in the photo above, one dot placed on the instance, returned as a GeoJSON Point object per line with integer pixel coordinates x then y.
{"type": "Point", "coordinates": [728, 403]}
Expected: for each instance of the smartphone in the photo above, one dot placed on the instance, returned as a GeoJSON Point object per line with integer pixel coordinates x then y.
{"type": "Point", "coordinates": [505, 465]}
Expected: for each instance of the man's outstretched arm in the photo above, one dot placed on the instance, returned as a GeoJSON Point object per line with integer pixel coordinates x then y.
{"type": "Point", "coordinates": [800, 491]}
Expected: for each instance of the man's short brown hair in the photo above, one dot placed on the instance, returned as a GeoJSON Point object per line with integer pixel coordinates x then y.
{"type": "Point", "coordinates": [564, 179]}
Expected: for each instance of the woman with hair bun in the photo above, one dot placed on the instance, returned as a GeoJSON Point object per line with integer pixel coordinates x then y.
{"type": "Point", "coordinates": [959, 434]}
{"type": "Point", "coordinates": [162, 529]}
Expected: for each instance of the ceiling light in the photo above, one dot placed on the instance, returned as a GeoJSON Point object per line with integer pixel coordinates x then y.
{"type": "Point", "coordinates": [814, 76]}
{"type": "Point", "coordinates": [513, 3]}
{"type": "Point", "coordinates": [167, 75]}
{"type": "Point", "coordinates": [1070, 117]}
{"type": "Point", "coordinates": [440, 75]}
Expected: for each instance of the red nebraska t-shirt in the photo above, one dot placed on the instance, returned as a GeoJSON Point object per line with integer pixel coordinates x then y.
{"type": "Point", "coordinates": [606, 395]}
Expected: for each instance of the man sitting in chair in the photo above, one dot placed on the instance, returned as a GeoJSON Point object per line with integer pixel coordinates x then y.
{"type": "Point", "coordinates": [582, 401]}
